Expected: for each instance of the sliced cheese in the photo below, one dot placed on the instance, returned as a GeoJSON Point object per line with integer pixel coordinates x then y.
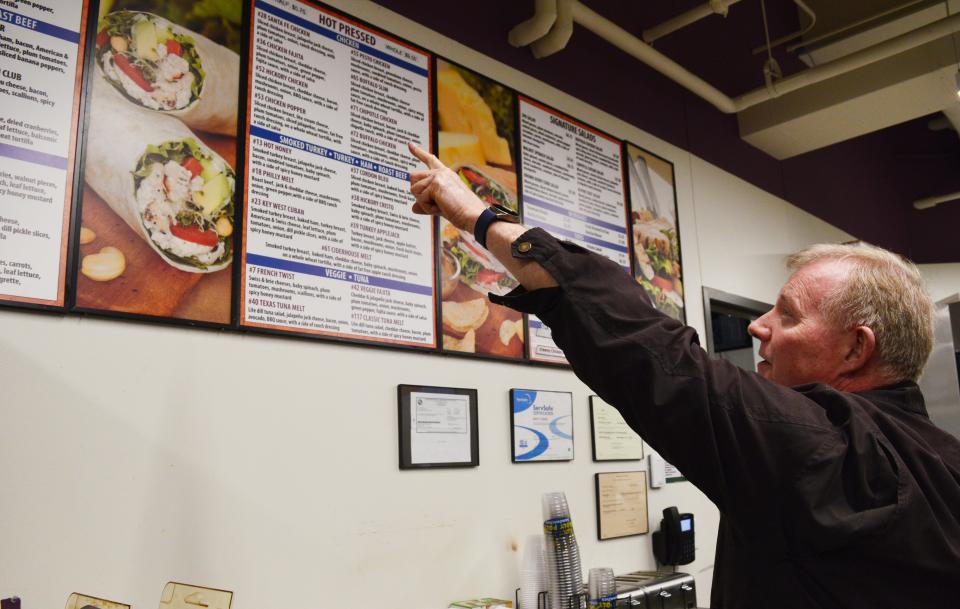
{"type": "Point", "coordinates": [463, 110]}
{"type": "Point", "coordinates": [460, 149]}
{"type": "Point", "coordinates": [495, 148]}
{"type": "Point", "coordinates": [451, 88]}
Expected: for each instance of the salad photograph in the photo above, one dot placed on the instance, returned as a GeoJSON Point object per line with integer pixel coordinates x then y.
{"type": "Point", "coordinates": [656, 239]}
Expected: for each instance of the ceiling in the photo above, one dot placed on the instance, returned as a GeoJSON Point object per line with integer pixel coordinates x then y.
{"type": "Point", "coordinates": [855, 150]}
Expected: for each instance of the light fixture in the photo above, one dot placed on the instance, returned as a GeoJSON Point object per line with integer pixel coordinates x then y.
{"type": "Point", "coordinates": [958, 82]}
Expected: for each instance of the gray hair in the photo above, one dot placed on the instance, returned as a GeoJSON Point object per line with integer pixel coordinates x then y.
{"type": "Point", "coordinates": [885, 293]}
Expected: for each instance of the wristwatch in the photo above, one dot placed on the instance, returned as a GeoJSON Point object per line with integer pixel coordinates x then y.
{"type": "Point", "coordinates": [490, 215]}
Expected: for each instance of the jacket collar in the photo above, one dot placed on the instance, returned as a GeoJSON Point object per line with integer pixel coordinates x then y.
{"type": "Point", "coordinates": [904, 394]}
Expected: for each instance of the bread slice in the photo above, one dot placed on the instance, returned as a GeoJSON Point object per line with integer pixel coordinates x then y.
{"type": "Point", "coordinates": [467, 344]}
{"type": "Point", "coordinates": [461, 317]}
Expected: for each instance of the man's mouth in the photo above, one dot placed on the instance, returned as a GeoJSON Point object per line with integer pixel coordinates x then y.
{"type": "Point", "coordinates": [764, 366]}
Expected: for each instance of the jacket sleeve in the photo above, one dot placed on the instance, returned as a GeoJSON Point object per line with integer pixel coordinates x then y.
{"type": "Point", "coordinates": [735, 435]}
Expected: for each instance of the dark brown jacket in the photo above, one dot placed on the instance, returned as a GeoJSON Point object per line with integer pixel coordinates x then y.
{"type": "Point", "coordinates": [827, 499]}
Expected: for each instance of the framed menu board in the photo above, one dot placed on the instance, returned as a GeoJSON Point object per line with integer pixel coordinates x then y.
{"type": "Point", "coordinates": [656, 230]}
{"type": "Point", "coordinates": [160, 190]}
{"type": "Point", "coordinates": [477, 139]}
{"type": "Point", "coordinates": [40, 93]}
{"type": "Point", "coordinates": [572, 187]}
{"type": "Point", "coordinates": [330, 247]}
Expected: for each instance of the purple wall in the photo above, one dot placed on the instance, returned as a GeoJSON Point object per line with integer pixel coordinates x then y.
{"type": "Point", "coordinates": [863, 186]}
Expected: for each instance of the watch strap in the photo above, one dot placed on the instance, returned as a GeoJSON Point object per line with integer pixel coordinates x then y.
{"type": "Point", "coordinates": [488, 217]}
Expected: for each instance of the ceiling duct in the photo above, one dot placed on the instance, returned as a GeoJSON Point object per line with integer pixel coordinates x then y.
{"type": "Point", "coordinates": [801, 112]}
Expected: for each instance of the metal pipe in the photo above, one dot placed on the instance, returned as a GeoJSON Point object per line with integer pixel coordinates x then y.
{"type": "Point", "coordinates": [627, 42]}
{"type": "Point", "coordinates": [632, 45]}
{"type": "Point", "coordinates": [856, 24]}
{"type": "Point", "coordinates": [778, 41]}
{"type": "Point", "coordinates": [559, 35]}
{"type": "Point", "coordinates": [714, 7]}
{"type": "Point", "coordinates": [930, 202]}
{"type": "Point", "coordinates": [536, 27]}
{"type": "Point", "coordinates": [859, 59]}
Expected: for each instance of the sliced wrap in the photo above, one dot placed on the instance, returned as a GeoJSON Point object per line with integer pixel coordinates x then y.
{"type": "Point", "coordinates": [166, 184]}
{"type": "Point", "coordinates": [161, 66]}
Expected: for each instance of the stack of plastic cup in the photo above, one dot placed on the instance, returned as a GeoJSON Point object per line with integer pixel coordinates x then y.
{"type": "Point", "coordinates": [533, 572]}
{"type": "Point", "coordinates": [601, 589]}
{"type": "Point", "coordinates": [561, 554]}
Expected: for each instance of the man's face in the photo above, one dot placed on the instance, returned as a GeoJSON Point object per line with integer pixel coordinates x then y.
{"type": "Point", "coordinates": [797, 344]}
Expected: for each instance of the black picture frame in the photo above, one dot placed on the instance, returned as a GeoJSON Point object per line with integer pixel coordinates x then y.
{"type": "Point", "coordinates": [595, 442]}
{"type": "Point", "coordinates": [598, 477]}
{"type": "Point", "coordinates": [241, 320]}
{"type": "Point", "coordinates": [405, 444]}
{"type": "Point", "coordinates": [633, 206]}
{"type": "Point", "coordinates": [517, 394]}
{"type": "Point", "coordinates": [72, 178]}
{"type": "Point", "coordinates": [438, 237]}
{"type": "Point", "coordinates": [522, 99]}
{"type": "Point", "coordinates": [80, 194]}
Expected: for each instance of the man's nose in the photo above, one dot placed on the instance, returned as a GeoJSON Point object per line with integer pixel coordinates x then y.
{"type": "Point", "coordinates": [759, 329]}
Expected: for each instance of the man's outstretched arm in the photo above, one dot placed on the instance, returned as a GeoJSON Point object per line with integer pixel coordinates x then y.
{"type": "Point", "coordinates": [441, 192]}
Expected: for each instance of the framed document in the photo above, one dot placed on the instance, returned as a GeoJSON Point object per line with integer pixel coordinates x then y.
{"type": "Point", "coordinates": [542, 428]}
{"type": "Point", "coordinates": [438, 427]}
{"type": "Point", "coordinates": [613, 440]}
{"type": "Point", "coordinates": [621, 504]}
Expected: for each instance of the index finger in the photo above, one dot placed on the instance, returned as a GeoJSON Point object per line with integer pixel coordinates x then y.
{"type": "Point", "coordinates": [431, 161]}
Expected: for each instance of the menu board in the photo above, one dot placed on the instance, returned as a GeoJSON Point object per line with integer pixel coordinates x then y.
{"type": "Point", "coordinates": [656, 232]}
{"type": "Point", "coordinates": [160, 193]}
{"type": "Point", "coordinates": [41, 46]}
{"type": "Point", "coordinates": [573, 187]}
{"type": "Point", "coordinates": [330, 245]}
{"type": "Point", "coordinates": [477, 140]}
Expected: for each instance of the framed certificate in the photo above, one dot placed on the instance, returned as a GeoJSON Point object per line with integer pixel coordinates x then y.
{"type": "Point", "coordinates": [438, 427]}
{"type": "Point", "coordinates": [621, 504]}
{"type": "Point", "coordinates": [542, 428]}
{"type": "Point", "coordinates": [613, 440]}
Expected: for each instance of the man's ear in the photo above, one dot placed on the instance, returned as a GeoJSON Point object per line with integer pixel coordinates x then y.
{"type": "Point", "coordinates": [860, 349]}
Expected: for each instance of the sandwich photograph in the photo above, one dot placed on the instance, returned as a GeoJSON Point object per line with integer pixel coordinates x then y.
{"type": "Point", "coordinates": [160, 186]}
{"type": "Point", "coordinates": [477, 141]}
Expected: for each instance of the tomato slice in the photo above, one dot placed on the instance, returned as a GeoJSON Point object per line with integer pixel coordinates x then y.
{"type": "Point", "coordinates": [487, 277]}
{"type": "Point", "coordinates": [133, 72]}
{"type": "Point", "coordinates": [103, 36]}
{"type": "Point", "coordinates": [174, 47]}
{"type": "Point", "coordinates": [473, 176]}
{"type": "Point", "coordinates": [195, 234]}
{"type": "Point", "coordinates": [192, 165]}
{"type": "Point", "coordinates": [662, 282]}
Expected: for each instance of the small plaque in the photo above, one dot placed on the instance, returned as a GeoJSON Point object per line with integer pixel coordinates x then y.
{"type": "Point", "coordinates": [613, 439]}
{"type": "Point", "coordinates": [621, 504]}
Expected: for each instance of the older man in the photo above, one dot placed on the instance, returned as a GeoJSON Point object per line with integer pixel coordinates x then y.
{"type": "Point", "coordinates": [834, 487]}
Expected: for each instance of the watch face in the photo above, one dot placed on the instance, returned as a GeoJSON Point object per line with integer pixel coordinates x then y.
{"type": "Point", "coordinates": [504, 213]}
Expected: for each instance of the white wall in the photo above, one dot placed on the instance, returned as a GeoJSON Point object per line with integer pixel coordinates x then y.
{"type": "Point", "coordinates": [943, 280]}
{"type": "Point", "coordinates": [133, 454]}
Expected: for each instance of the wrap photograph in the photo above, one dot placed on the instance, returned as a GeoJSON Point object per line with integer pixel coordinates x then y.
{"type": "Point", "coordinates": [477, 141]}
{"type": "Point", "coordinates": [655, 230]}
{"type": "Point", "coordinates": [157, 211]}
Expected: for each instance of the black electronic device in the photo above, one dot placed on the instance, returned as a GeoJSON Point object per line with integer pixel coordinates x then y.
{"type": "Point", "coordinates": [673, 544]}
